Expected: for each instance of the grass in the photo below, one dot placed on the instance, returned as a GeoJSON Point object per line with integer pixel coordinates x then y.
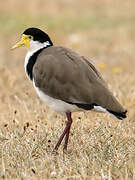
{"type": "Point", "coordinates": [100, 146]}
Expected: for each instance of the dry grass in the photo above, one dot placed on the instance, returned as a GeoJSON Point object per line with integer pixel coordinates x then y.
{"type": "Point", "coordinates": [100, 146]}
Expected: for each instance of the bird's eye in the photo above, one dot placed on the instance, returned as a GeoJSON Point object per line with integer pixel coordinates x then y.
{"type": "Point", "coordinates": [30, 37]}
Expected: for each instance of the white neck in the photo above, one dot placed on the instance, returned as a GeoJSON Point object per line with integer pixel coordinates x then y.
{"type": "Point", "coordinates": [34, 47]}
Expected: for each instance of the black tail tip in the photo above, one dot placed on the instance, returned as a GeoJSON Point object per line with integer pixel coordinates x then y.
{"type": "Point", "coordinates": [121, 115]}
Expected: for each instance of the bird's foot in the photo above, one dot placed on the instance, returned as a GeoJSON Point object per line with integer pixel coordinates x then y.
{"type": "Point", "coordinates": [54, 152]}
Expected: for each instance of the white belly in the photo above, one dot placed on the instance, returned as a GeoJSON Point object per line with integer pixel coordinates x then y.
{"type": "Point", "coordinates": [56, 104]}
{"type": "Point", "coordinates": [61, 106]}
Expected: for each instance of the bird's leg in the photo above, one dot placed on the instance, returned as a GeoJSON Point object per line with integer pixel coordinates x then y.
{"type": "Point", "coordinates": [69, 122]}
{"type": "Point", "coordinates": [65, 132]}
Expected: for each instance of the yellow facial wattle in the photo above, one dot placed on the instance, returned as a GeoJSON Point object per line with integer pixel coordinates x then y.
{"type": "Point", "coordinates": [24, 42]}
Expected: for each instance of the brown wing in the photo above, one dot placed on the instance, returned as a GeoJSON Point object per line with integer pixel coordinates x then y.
{"type": "Point", "coordinates": [63, 74]}
{"type": "Point", "coordinates": [92, 67]}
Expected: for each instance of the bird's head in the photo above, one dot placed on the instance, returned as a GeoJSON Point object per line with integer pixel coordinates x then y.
{"type": "Point", "coordinates": [34, 38]}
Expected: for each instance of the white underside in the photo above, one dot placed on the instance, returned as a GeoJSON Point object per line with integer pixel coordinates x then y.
{"type": "Point", "coordinates": [56, 104]}
{"type": "Point", "coordinates": [59, 105]}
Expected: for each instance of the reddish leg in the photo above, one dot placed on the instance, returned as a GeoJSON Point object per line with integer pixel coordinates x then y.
{"type": "Point", "coordinates": [69, 122]}
{"type": "Point", "coordinates": [65, 132]}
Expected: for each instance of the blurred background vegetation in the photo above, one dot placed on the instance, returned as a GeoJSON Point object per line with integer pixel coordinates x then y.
{"type": "Point", "coordinates": [104, 31]}
{"type": "Point", "coordinates": [98, 25]}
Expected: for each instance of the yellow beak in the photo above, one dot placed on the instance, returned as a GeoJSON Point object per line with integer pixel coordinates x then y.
{"type": "Point", "coordinates": [24, 42]}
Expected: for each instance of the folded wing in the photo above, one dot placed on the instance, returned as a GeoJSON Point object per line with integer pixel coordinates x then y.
{"type": "Point", "coordinates": [72, 78]}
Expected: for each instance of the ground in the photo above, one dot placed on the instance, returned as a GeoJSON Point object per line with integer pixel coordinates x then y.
{"type": "Point", "coordinates": [100, 146]}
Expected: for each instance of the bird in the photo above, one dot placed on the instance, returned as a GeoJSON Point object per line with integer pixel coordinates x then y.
{"type": "Point", "coordinates": [66, 81]}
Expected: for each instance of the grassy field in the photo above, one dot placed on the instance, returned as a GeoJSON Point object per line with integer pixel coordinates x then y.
{"type": "Point", "coordinates": [100, 146]}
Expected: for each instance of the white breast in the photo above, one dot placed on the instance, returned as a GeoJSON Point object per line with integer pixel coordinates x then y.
{"type": "Point", "coordinates": [27, 57]}
{"type": "Point", "coordinates": [34, 47]}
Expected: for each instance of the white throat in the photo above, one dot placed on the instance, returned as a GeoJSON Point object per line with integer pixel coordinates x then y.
{"type": "Point", "coordinates": [34, 47]}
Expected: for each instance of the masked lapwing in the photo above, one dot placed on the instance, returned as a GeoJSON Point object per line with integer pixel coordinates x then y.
{"type": "Point", "coordinates": [64, 80]}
